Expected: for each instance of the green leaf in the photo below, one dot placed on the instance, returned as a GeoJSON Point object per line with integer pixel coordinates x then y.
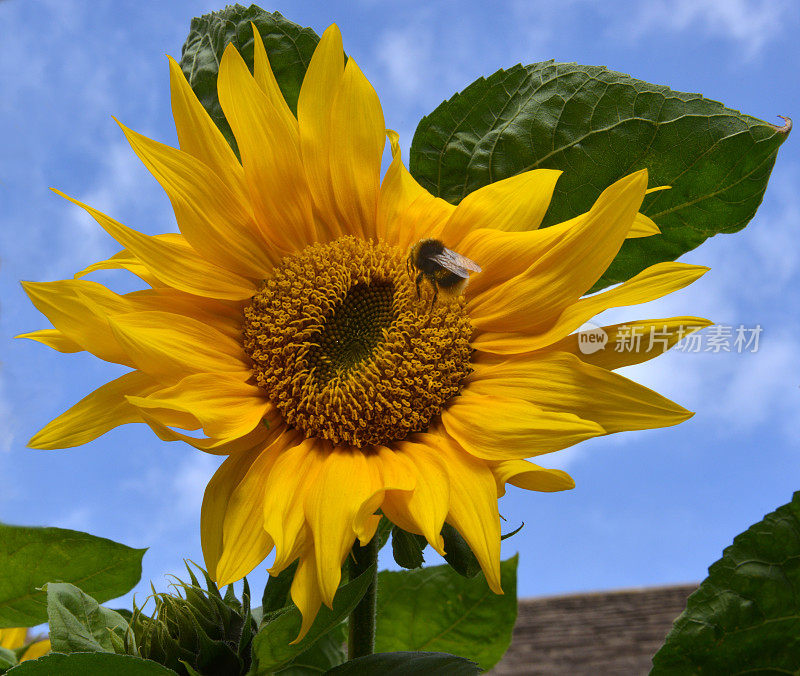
{"type": "Point", "coordinates": [745, 617]}
{"type": "Point", "coordinates": [436, 609]}
{"type": "Point", "coordinates": [78, 623]}
{"type": "Point", "coordinates": [384, 530]}
{"type": "Point", "coordinates": [31, 557]}
{"type": "Point", "coordinates": [190, 670]}
{"type": "Point", "coordinates": [271, 646]}
{"type": "Point", "coordinates": [276, 591]}
{"type": "Point", "coordinates": [8, 658]}
{"type": "Point", "coordinates": [89, 664]}
{"type": "Point", "coordinates": [407, 548]}
{"type": "Point", "coordinates": [459, 555]}
{"type": "Point", "coordinates": [408, 664]}
{"type": "Point", "coordinates": [599, 125]}
{"type": "Point", "coordinates": [289, 48]}
{"type": "Point", "coordinates": [328, 652]}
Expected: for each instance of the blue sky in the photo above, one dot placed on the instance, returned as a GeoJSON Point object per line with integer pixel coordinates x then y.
{"type": "Point", "coordinates": [652, 507]}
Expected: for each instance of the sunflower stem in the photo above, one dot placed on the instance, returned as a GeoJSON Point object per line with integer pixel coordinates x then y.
{"type": "Point", "coordinates": [361, 640]}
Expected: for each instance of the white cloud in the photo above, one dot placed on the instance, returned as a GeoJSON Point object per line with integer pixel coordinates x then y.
{"type": "Point", "coordinates": [79, 518]}
{"type": "Point", "coordinates": [752, 24]}
{"type": "Point", "coordinates": [175, 490]}
{"type": "Point", "coordinates": [190, 480]}
{"type": "Point", "coordinates": [405, 54]}
{"type": "Point", "coordinates": [56, 106]}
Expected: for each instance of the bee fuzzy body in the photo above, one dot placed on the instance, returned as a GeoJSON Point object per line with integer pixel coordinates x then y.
{"type": "Point", "coordinates": [441, 267]}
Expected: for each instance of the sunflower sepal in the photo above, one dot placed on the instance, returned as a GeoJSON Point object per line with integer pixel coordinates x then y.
{"type": "Point", "coordinates": [276, 594]}
{"type": "Point", "coordinates": [458, 553]}
{"type": "Point", "coordinates": [407, 548]}
{"type": "Point", "coordinates": [196, 626]}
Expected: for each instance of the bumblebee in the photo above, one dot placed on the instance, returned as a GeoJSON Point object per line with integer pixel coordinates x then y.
{"type": "Point", "coordinates": [442, 267]}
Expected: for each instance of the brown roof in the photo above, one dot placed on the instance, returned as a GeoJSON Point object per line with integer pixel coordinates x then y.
{"type": "Point", "coordinates": [612, 633]}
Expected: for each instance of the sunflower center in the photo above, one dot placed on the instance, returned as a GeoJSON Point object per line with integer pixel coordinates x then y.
{"type": "Point", "coordinates": [347, 352]}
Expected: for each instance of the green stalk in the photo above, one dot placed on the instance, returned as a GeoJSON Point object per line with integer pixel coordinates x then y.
{"type": "Point", "coordinates": [361, 640]}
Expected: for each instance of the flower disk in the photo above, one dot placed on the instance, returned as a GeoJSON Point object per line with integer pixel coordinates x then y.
{"type": "Point", "coordinates": [345, 349]}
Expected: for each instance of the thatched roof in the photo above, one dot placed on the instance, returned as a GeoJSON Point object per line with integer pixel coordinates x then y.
{"type": "Point", "coordinates": [598, 634]}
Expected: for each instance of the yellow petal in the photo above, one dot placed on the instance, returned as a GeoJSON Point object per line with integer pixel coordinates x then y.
{"type": "Point", "coordinates": [406, 211]}
{"type": "Point", "coordinates": [504, 255]}
{"type": "Point", "coordinates": [389, 471]}
{"type": "Point", "coordinates": [320, 84]}
{"type": "Point", "coordinates": [357, 139]}
{"type": "Point", "coordinates": [225, 316]}
{"type": "Point", "coordinates": [54, 339]}
{"type": "Point", "coordinates": [531, 477]}
{"type": "Point", "coordinates": [305, 591]}
{"type": "Point", "coordinates": [79, 309]}
{"type": "Point", "coordinates": [423, 510]}
{"type": "Point", "coordinates": [643, 226]}
{"type": "Point", "coordinates": [650, 284]}
{"type": "Point", "coordinates": [263, 434]}
{"type": "Point", "coordinates": [634, 342]}
{"type": "Point", "coordinates": [556, 279]}
{"type": "Point", "coordinates": [200, 137]}
{"type": "Point", "coordinates": [499, 427]}
{"type": "Point", "coordinates": [473, 508]}
{"type": "Point", "coordinates": [125, 260]}
{"type": "Point", "coordinates": [513, 204]}
{"type": "Point", "coordinates": [265, 79]}
{"type": "Point", "coordinates": [232, 518]}
{"type": "Point", "coordinates": [284, 517]}
{"type": "Point", "coordinates": [225, 406]}
{"type": "Point", "coordinates": [169, 346]}
{"type": "Point", "coordinates": [213, 220]}
{"type": "Point", "coordinates": [562, 383]}
{"type": "Point", "coordinates": [331, 511]}
{"type": "Point", "coordinates": [97, 413]}
{"type": "Point", "coordinates": [269, 144]}
{"type": "Point", "coordinates": [36, 650]}
{"type": "Point", "coordinates": [13, 637]}
{"type": "Point", "coordinates": [175, 265]}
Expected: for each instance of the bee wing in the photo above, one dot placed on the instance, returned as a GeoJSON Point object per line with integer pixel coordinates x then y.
{"type": "Point", "coordinates": [456, 263]}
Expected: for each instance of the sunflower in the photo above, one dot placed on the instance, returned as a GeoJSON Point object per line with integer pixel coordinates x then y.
{"type": "Point", "coordinates": [15, 638]}
{"type": "Point", "coordinates": [283, 322]}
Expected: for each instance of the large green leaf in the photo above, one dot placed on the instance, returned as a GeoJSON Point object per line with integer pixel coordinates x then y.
{"type": "Point", "coordinates": [436, 609]}
{"type": "Point", "coordinates": [745, 617]}
{"type": "Point", "coordinates": [326, 653]}
{"type": "Point", "coordinates": [78, 623]}
{"type": "Point", "coordinates": [288, 46]}
{"type": "Point", "coordinates": [31, 557]}
{"type": "Point", "coordinates": [89, 664]}
{"type": "Point", "coordinates": [407, 664]}
{"type": "Point", "coordinates": [272, 648]}
{"type": "Point", "coordinates": [599, 125]}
